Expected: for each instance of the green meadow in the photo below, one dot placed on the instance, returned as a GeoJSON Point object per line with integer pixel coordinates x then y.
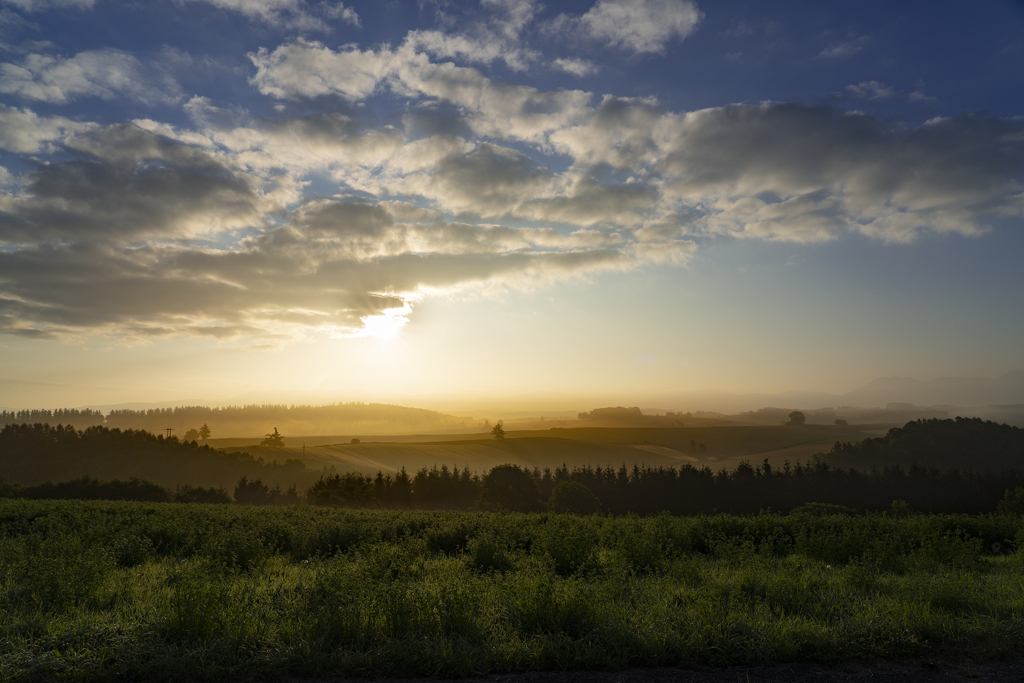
{"type": "Point", "coordinates": [148, 591]}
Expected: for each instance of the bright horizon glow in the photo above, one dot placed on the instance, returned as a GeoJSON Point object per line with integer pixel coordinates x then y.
{"type": "Point", "coordinates": [506, 203]}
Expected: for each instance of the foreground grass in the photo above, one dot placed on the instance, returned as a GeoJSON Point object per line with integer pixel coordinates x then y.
{"type": "Point", "coordinates": [94, 591]}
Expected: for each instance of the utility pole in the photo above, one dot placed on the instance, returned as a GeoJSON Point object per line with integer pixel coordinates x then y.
{"type": "Point", "coordinates": [169, 430]}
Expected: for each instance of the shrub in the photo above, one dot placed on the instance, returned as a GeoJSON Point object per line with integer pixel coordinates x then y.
{"type": "Point", "coordinates": [487, 553]}
{"type": "Point", "coordinates": [1012, 502]}
{"type": "Point", "coordinates": [569, 546]}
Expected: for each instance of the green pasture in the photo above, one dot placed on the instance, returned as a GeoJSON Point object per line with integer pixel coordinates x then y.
{"type": "Point", "coordinates": [132, 591]}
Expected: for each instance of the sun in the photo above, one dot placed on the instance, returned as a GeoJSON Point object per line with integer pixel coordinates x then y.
{"type": "Point", "coordinates": [386, 326]}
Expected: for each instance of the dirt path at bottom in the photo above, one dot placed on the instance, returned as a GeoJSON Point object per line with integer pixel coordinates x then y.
{"type": "Point", "coordinates": [995, 672]}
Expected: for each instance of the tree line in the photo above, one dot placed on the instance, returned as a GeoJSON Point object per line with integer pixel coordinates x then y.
{"type": "Point", "coordinates": [585, 490]}
{"type": "Point", "coordinates": [249, 420]}
{"type": "Point", "coordinates": [964, 443]}
{"type": "Point", "coordinates": [686, 490]}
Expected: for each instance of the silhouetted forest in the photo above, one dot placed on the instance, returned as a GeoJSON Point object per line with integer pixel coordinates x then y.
{"type": "Point", "coordinates": [962, 443]}
{"type": "Point", "coordinates": [253, 420]}
{"type": "Point", "coordinates": [687, 490]}
{"type": "Point", "coordinates": [33, 454]}
{"type": "Point", "coordinates": [619, 416]}
{"type": "Point", "coordinates": [642, 491]}
{"type": "Point", "coordinates": [80, 419]}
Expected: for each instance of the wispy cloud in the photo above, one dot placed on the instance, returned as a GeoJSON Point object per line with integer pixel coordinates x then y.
{"type": "Point", "coordinates": [844, 48]}
{"type": "Point", "coordinates": [294, 14]}
{"type": "Point", "coordinates": [106, 74]}
{"type": "Point", "coordinates": [639, 26]}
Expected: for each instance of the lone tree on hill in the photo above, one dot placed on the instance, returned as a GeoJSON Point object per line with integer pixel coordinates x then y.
{"type": "Point", "coordinates": [796, 419]}
{"type": "Point", "coordinates": [274, 439]}
{"type": "Point", "coordinates": [498, 432]}
{"type": "Point", "coordinates": [204, 432]}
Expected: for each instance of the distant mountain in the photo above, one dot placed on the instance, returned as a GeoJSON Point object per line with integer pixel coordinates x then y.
{"type": "Point", "coordinates": [956, 391]}
{"type": "Point", "coordinates": [946, 392]}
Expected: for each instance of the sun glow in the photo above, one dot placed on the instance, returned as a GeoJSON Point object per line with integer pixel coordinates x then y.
{"type": "Point", "coordinates": [384, 326]}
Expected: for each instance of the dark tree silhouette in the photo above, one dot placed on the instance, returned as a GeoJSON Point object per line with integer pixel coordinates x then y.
{"type": "Point", "coordinates": [509, 487]}
{"type": "Point", "coordinates": [796, 419]}
{"type": "Point", "coordinates": [204, 432]}
{"type": "Point", "coordinates": [274, 439]}
{"type": "Point", "coordinates": [498, 432]}
{"type": "Point", "coordinates": [575, 498]}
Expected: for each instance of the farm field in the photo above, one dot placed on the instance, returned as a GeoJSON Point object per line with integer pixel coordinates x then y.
{"type": "Point", "coordinates": [104, 591]}
{"type": "Point", "coordinates": [725, 447]}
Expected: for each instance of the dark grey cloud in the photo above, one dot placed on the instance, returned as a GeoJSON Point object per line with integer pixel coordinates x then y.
{"type": "Point", "coordinates": [123, 183]}
{"type": "Point", "coordinates": [786, 171]}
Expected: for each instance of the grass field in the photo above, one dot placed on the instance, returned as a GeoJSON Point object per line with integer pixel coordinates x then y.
{"type": "Point", "coordinates": [668, 447]}
{"type": "Point", "coordinates": [103, 591]}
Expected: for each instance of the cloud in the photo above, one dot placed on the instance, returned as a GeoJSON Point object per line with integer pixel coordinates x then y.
{"type": "Point", "coordinates": [211, 228]}
{"type": "Point", "coordinates": [123, 184]}
{"type": "Point", "coordinates": [43, 5]}
{"type": "Point", "coordinates": [106, 73]}
{"type": "Point", "coordinates": [640, 26]}
{"type": "Point", "coordinates": [308, 69]}
{"type": "Point", "coordinates": [874, 90]}
{"type": "Point", "coordinates": [772, 171]}
{"type": "Point", "coordinates": [844, 48]}
{"type": "Point", "coordinates": [333, 267]}
{"type": "Point", "coordinates": [135, 233]}
{"type": "Point", "coordinates": [576, 67]}
{"type": "Point", "coordinates": [798, 173]}
{"type": "Point", "coordinates": [339, 11]}
{"type": "Point", "coordinates": [293, 14]}
{"type": "Point", "coordinates": [492, 33]}
{"type": "Point", "coordinates": [22, 131]}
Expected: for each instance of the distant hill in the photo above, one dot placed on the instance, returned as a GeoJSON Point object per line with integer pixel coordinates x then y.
{"type": "Point", "coordinates": [256, 420]}
{"type": "Point", "coordinates": [964, 443]}
{"type": "Point", "coordinates": [33, 454]}
{"type": "Point", "coordinates": [961, 391]}
{"type": "Point", "coordinates": [973, 396]}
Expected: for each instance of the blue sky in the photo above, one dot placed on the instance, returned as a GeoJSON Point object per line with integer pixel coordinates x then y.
{"type": "Point", "coordinates": [292, 200]}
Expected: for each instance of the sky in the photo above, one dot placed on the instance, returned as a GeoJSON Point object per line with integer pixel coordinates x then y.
{"type": "Point", "coordinates": [225, 201]}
